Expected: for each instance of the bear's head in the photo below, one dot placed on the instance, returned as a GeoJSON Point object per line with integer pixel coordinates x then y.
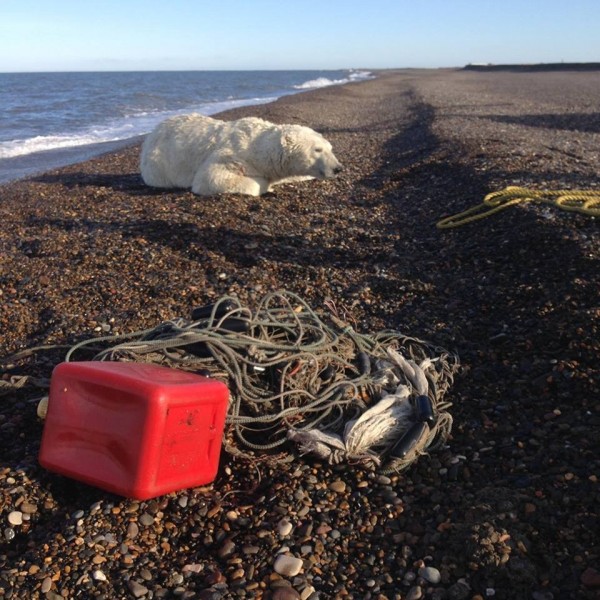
{"type": "Point", "coordinates": [306, 152]}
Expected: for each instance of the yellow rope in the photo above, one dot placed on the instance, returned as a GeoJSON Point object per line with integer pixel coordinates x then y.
{"type": "Point", "coordinates": [586, 202]}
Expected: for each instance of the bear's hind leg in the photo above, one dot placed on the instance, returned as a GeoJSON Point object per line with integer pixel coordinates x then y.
{"type": "Point", "coordinates": [218, 178]}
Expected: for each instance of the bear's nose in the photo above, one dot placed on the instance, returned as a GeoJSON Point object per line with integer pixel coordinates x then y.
{"type": "Point", "coordinates": [337, 169]}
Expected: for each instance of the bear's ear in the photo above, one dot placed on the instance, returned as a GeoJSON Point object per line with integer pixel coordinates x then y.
{"type": "Point", "coordinates": [289, 136]}
{"type": "Point", "coordinates": [287, 139]}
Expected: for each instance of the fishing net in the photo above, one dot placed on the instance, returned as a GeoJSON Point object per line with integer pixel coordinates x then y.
{"type": "Point", "coordinates": [305, 379]}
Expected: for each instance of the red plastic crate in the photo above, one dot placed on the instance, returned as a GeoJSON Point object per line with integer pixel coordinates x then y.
{"type": "Point", "coordinates": [135, 429]}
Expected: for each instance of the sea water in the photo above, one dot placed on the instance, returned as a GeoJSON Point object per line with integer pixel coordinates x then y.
{"type": "Point", "coordinates": [49, 120]}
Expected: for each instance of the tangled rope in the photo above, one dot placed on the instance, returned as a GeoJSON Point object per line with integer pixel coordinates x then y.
{"type": "Point", "coordinates": [585, 202]}
{"type": "Point", "coordinates": [295, 375]}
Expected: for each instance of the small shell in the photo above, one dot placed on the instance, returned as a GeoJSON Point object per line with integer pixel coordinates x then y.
{"type": "Point", "coordinates": [42, 407]}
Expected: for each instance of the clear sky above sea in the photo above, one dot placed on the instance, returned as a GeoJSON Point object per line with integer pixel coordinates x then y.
{"type": "Point", "coordinates": [82, 35]}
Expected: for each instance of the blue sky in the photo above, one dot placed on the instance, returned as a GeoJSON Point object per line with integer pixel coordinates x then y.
{"type": "Point", "coordinates": [66, 35]}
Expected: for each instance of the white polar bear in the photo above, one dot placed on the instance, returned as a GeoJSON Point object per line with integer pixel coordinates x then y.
{"type": "Point", "coordinates": [247, 156]}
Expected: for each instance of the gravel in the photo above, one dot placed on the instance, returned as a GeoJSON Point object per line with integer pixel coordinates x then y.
{"type": "Point", "coordinates": [509, 509]}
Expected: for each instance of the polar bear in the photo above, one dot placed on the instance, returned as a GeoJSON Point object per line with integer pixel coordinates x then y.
{"type": "Point", "coordinates": [247, 156]}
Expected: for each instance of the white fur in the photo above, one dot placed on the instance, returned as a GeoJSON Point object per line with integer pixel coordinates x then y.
{"type": "Point", "coordinates": [247, 156]}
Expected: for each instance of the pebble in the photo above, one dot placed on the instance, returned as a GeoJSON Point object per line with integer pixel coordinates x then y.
{"type": "Point", "coordinates": [137, 589]}
{"type": "Point", "coordinates": [289, 566]}
{"type": "Point", "coordinates": [285, 593]}
{"type": "Point", "coordinates": [430, 574]}
{"type": "Point", "coordinates": [46, 585]}
{"type": "Point", "coordinates": [98, 575]}
{"type": "Point", "coordinates": [15, 517]}
{"type": "Point", "coordinates": [591, 578]}
{"type": "Point", "coordinates": [338, 486]}
{"type": "Point", "coordinates": [414, 593]}
{"type": "Point", "coordinates": [284, 528]}
{"type": "Point", "coordinates": [542, 595]}
{"type": "Point", "coordinates": [193, 568]}
{"type": "Point", "coordinates": [28, 508]}
{"type": "Point", "coordinates": [307, 592]}
{"type": "Point", "coordinates": [9, 534]}
{"type": "Point", "coordinates": [132, 530]}
{"type": "Point", "coordinates": [458, 591]}
{"type": "Point", "coordinates": [146, 519]}
{"type": "Point", "coordinates": [323, 529]}
{"type": "Point", "coordinates": [226, 549]}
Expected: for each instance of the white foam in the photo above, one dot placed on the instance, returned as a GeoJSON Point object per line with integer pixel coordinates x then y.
{"type": "Point", "coordinates": [320, 82]}
{"type": "Point", "coordinates": [42, 143]}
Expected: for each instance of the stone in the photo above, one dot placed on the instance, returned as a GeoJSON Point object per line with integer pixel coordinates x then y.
{"type": "Point", "coordinates": [459, 591]}
{"type": "Point", "coordinates": [307, 592]}
{"type": "Point", "coordinates": [284, 528]}
{"type": "Point", "coordinates": [323, 529]}
{"type": "Point", "coordinates": [28, 508]}
{"type": "Point", "coordinates": [288, 566]}
{"type": "Point", "coordinates": [193, 568]}
{"type": "Point", "coordinates": [590, 578]}
{"type": "Point", "coordinates": [337, 486]}
{"type": "Point", "coordinates": [285, 593]}
{"type": "Point", "coordinates": [98, 575]}
{"type": "Point", "coordinates": [15, 517]}
{"type": "Point", "coordinates": [137, 589]}
{"type": "Point", "coordinates": [132, 530]}
{"type": "Point", "coordinates": [414, 593]}
{"type": "Point", "coordinates": [430, 574]}
{"type": "Point", "coordinates": [226, 549]}
{"type": "Point", "coordinates": [146, 519]}
{"type": "Point", "coordinates": [542, 595]}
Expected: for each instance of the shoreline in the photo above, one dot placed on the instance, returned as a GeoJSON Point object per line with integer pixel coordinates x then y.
{"type": "Point", "coordinates": [37, 163]}
{"type": "Point", "coordinates": [34, 163]}
{"type": "Point", "coordinates": [509, 504]}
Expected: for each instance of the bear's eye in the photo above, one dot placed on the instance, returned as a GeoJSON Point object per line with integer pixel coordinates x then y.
{"type": "Point", "coordinates": [318, 150]}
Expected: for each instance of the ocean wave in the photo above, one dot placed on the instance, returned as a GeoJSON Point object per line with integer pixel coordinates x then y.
{"type": "Point", "coordinates": [320, 82]}
{"type": "Point", "coordinates": [133, 125]}
{"type": "Point", "coordinates": [43, 143]}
